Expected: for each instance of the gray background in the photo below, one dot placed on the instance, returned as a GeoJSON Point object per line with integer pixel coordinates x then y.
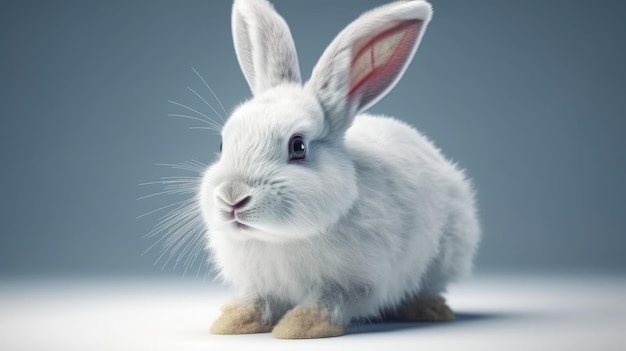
{"type": "Point", "coordinates": [528, 96]}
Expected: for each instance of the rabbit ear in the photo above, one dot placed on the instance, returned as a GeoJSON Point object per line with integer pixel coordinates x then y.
{"type": "Point", "coordinates": [264, 46]}
{"type": "Point", "coordinates": [367, 59]}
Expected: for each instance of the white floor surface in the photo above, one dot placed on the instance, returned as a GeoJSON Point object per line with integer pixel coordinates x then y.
{"type": "Point", "coordinates": [493, 313]}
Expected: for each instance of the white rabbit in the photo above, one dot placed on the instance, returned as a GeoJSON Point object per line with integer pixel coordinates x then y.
{"type": "Point", "coordinates": [317, 213]}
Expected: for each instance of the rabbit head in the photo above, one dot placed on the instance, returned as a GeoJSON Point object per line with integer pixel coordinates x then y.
{"type": "Point", "coordinates": [284, 172]}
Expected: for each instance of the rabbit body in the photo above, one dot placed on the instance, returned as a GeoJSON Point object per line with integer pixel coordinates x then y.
{"type": "Point", "coordinates": [315, 203]}
{"type": "Point", "coordinates": [412, 229]}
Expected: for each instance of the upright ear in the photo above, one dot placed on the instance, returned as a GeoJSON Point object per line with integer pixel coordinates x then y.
{"type": "Point", "coordinates": [264, 46]}
{"type": "Point", "coordinates": [367, 59]}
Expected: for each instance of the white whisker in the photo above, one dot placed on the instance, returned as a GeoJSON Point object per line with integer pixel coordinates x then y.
{"type": "Point", "coordinates": [179, 231]}
{"type": "Point", "coordinates": [161, 228]}
{"type": "Point", "coordinates": [212, 92]}
{"type": "Point", "coordinates": [162, 208]}
{"type": "Point", "coordinates": [211, 123]}
{"type": "Point", "coordinates": [175, 217]}
{"type": "Point", "coordinates": [190, 109]}
{"type": "Point", "coordinates": [173, 190]}
{"type": "Point", "coordinates": [207, 128]}
{"type": "Point", "coordinates": [176, 241]}
{"type": "Point", "coordinates": [168, 230]}
{"type": "Point", "coordinates": [191, 240]}
{"type": "Point", "coordinates": [196, 163]}
{"type": "Point", "coordinates": [195, 252]}
{"type": "Point", "coordinates": [171, 238]}
{"type": "Point", "coordinates": [207, 103]}
{"type": "Point", "coordinates": [173, 180]}
{"type": "Point", "coordinates": [186, 166]}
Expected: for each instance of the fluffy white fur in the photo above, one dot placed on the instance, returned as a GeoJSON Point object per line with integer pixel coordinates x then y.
{"type": "Point", "coordinates": [374, 215]}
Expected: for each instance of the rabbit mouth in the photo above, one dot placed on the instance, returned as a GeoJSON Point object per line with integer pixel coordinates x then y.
{"type": "Point", "coordinates": [240, 225]}
{"type": "Point", "coordinates": [232, 219]}
{"type": "Point", "coordinates": [236, 224]}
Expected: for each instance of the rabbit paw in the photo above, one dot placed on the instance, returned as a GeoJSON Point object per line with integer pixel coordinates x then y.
{"type": "Point", "coordinates": [306, 322]}
{"type": "Point", "coordinates": [239, 318]}
{"type": "Point", "coordinates": [421, 309]}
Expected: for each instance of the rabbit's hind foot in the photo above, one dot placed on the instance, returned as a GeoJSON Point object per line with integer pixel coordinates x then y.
{"type": "Point", "coordinates": [420, 309]}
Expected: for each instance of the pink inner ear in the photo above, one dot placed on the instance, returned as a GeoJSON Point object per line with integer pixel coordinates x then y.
{"type": "Point", "coordinates": [380, 58]}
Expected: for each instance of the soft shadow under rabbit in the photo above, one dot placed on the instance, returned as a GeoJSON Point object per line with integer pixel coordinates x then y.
{"type": "Point", "coordinates": [318, 213]}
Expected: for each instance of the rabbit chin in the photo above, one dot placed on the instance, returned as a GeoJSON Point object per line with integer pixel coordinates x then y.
{"type": "Point", "coordinates": [269, 233]}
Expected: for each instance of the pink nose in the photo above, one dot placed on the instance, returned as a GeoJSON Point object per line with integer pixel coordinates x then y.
{"type": "Point", "coordinates": [242, 202]}
{"type": "Point", "coordinates": [233, 195]}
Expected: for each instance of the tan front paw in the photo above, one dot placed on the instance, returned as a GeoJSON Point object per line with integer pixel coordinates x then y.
{"type": "Point", "coordinates": [239, 318]}
{"type": "Point", "coordinates": [306, 322]}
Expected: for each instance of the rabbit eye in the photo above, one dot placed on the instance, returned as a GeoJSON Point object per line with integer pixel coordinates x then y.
{"type": "Point", "coordinates": [297, 148]}
{"type": "Point", "coordinates": [221, 147]}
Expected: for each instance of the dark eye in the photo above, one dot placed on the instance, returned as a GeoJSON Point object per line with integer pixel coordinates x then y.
{"type": "Point", "coordinates": [297, 148]}
{"type": "Point", "coordinates": [220, 147]}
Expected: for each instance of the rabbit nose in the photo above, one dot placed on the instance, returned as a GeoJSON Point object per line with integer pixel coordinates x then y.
{"type": "Point", "coordinates": [233, 195]}
{"type": "Point", "coordinates": [235, 204]}
{"type": "Point", "coordinates": [242, 202]}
